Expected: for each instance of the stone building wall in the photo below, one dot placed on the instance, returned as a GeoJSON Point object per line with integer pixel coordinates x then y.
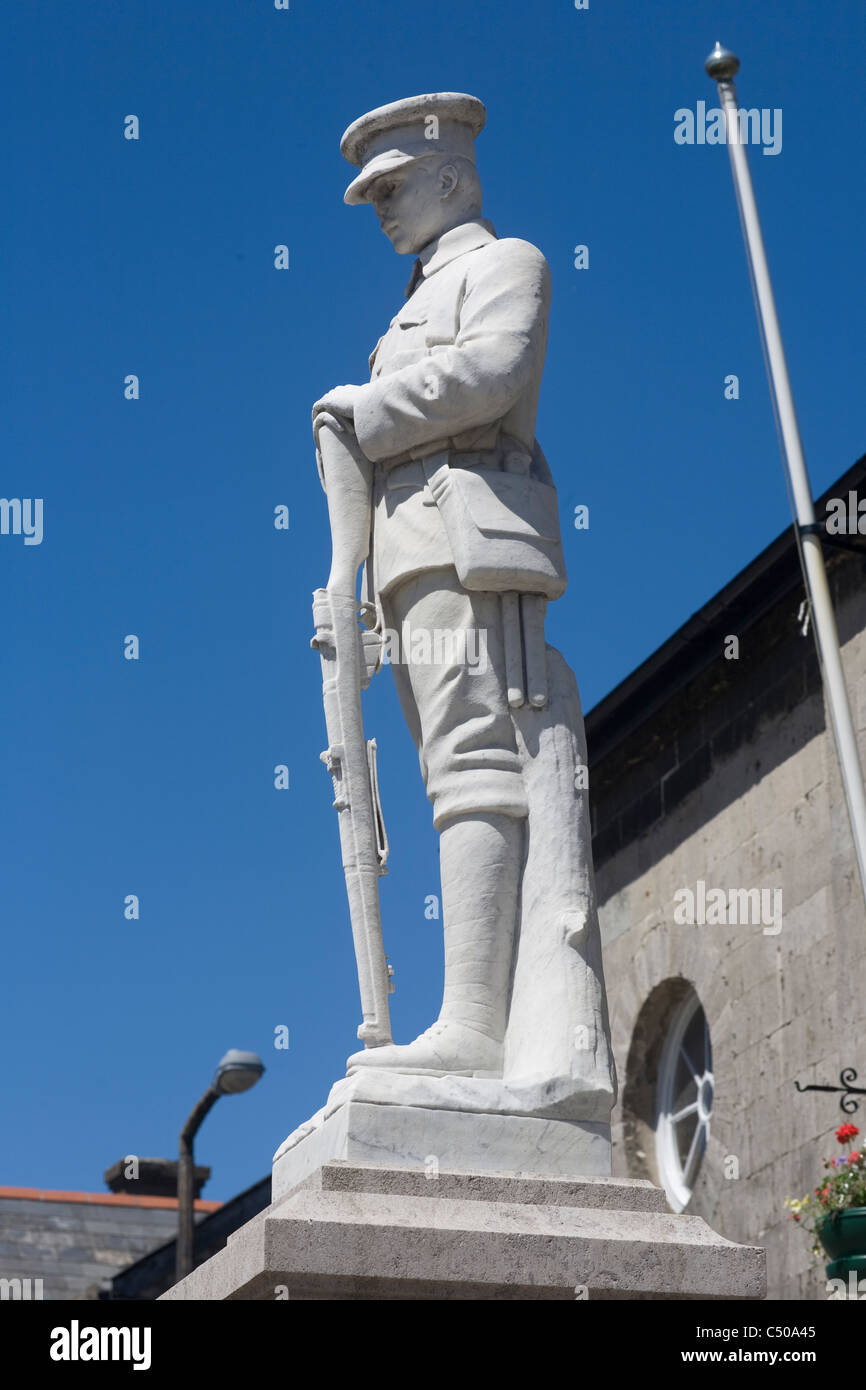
{"type": "Point", "coordinates": [731, 778]}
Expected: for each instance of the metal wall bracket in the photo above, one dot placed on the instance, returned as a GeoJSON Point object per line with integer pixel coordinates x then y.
{"type": "Point", "coordinates": [847, 1077]}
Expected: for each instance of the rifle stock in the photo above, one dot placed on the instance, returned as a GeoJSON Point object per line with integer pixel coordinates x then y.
{"type": "Point", "coordinates": [350, 759]}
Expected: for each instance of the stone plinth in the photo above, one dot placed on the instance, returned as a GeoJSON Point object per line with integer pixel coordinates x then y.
{"type": "Point", "coordinates": [355, 1230]}
{"type": "Point", "coordinates": [364, 1121]}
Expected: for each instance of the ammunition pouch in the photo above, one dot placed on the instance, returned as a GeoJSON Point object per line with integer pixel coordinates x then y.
{"type": "Point", "coordinates": [502, 526]}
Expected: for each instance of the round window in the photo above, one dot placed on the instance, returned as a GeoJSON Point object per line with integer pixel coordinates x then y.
{"type": "Point", "coordinates": [684, 1100]}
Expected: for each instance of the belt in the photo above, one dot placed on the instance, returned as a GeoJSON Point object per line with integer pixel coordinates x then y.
{"type": "Point", "coordinates": [411, 473]}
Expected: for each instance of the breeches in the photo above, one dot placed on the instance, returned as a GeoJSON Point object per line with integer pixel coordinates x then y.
{"type": "Point", "coordinates": [447, 654]}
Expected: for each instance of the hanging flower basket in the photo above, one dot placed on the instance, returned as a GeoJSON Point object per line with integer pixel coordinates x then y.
{"type": "Point", "coordinates": [843, 1235]}
{"type": "Point", "coordinates": [835, 1214]}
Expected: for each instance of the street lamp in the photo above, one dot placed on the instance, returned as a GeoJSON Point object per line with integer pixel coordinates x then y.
{"type": "Point", "coordinates": [237, 1072]}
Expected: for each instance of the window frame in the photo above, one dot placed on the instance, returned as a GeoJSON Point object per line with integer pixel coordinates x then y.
{"type": "Point", "coordinates": [678, 1178]}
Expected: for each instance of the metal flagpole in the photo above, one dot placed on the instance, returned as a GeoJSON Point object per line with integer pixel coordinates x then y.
{"type": "Point", "coordinates": [722, 66]}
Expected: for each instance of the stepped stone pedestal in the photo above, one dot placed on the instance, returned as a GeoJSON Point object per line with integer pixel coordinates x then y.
{"type": "Point", "coordinates": [370, 1203]}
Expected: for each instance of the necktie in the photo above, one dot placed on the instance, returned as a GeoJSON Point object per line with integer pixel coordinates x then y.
{"type": "Point", "coordinates": [417, 275]}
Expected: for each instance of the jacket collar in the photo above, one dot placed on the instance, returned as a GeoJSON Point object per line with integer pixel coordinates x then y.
{"type": "Point", "coordinates": [456, 242]}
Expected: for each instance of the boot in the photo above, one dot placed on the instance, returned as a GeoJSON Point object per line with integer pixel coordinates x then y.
{"type": "Point", "coordinates": [481, 860]}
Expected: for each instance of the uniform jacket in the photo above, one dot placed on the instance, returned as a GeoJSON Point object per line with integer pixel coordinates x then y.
{"type": "Point", "coordinates": [459, 369]}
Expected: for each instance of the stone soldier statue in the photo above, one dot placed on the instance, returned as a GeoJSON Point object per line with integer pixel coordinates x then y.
{"type": "Point", "coordinates": [465, 540]}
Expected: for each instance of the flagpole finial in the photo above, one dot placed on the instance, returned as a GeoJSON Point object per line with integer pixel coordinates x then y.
{"type": "Point", "coordinates": [722, 64]}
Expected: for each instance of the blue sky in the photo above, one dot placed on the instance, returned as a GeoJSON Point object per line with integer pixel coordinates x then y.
{"type": "Point", "coordinates": [155, 257]}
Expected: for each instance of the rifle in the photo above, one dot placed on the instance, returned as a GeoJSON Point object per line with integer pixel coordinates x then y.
{"type": "Point", "coordinates": [349, 658]}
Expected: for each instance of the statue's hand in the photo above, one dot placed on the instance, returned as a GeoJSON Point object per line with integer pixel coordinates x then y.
{"type": "Point", "coordinates": [339, 401]}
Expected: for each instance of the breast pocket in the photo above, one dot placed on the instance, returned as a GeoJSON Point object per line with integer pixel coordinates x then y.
{"type": "Point", "coordinates": [441, 326]}
{"type": "Point", "coordinates": [407, 322]}
{"type": "Point", "coordinates": [434, 329]}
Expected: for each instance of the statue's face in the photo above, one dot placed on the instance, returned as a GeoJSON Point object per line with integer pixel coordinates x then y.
{"type": "Point", "coordinates": [411, 203]}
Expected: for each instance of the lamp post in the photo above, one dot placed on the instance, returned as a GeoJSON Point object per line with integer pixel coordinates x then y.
{"type": "Point", "coordinates": [237, 1072]}
{"type": "Point", "coordinates": [722, 66]}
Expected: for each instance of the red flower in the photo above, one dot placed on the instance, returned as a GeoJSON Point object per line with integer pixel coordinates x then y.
{"type": "Point", "coordinates": [846, 1132]}
{"type": "Point", "coordinates": [854, 1158]}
